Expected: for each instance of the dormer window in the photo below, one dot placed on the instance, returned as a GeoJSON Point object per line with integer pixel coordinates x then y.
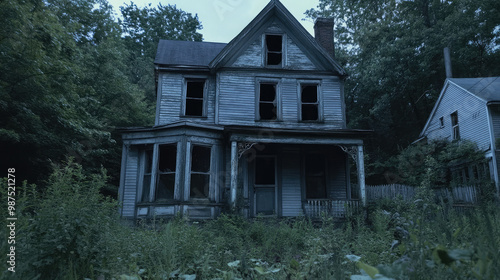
{"type": "Point", "coordinates": [195, 98]}
{"type": "Point", "coordinates": [274, 50]}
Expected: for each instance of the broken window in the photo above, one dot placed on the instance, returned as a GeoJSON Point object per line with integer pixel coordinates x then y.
{"type": "Point", "coordinates": [146, 182]}
{"type": "Point", "coordinates": [310, 103]}
{"type": "Point", "coordinates": [441, 122]}
{"type": "Point", "coordinates": [454, 124]}
{"type": "Point", "coordinates": [195, 97]}
{"type": "Point", "coordinates": [315, 176]}
{"type": "Point", "coordinates": [268, 102]}
{"type": "Point", "coordinates": [166, 172]}
{"type": "Point", "coordinates": [274, 49]}
{"type": "Point", "coordinates": [200, 172]}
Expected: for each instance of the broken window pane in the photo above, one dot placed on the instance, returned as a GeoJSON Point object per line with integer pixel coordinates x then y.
{"type": "Point", "coordinates": [274, 49]}
{"type": "Point", "coordinates": [310, 112]}
{"type": "Point", "coordinates": [267, 102]}
{"type": "Point", "coordinates": [315, 172]}
{"type": "Point", "coordinates": [267, 92]}
{"type": "Point", "coordinates": [166, 186]}
{"type": "Point", "coordinates": [310, 94]}
{"type": "Point", "coordinates": [167, 160]}
{"type": "Point", "coordinates": [200, 184]}
{"type": "Point", "coordinates": [194, 98]}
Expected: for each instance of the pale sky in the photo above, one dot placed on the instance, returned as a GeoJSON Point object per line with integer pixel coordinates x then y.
{"type": "Point", "coordinates": [222, 20]}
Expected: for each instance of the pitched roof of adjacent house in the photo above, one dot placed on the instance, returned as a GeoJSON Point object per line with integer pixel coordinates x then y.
{"type": "Point", "coordinates": [186, 53]}
{"type": "Point", "coordinates": [487, 89]}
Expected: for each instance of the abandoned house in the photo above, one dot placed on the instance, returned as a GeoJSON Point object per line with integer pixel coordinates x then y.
{"type": "Point", "coordinates": [469, 108]}
{"type": "Point", "coordinates": [256, 126]}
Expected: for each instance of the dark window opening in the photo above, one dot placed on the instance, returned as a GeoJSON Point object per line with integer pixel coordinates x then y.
{"type": "Point", "coordinates": [194, 98]}
{"type": "Point", "coordinates": [265, 171]}
{"type": "Point", "coordinates": [315, 175]}
{"type": "Point", "coordinates": [267, 102]}
{"type": "Point", "coordinates": [146, 182]}
{"type": "Point", "coordinates": [309, 99]}
{"type": "Point", "coordinates": [200, 172]}
{"type": "Point", "coordinates": [166, 172]}
{"type": "Point", "coordinates": [454, 125]}
{"type": "Point", "coordinates": [274, 45]}
{"type": "Point", "coordinates": [441, 122]}
{"type": "Point", "coordinates": [265, 185]}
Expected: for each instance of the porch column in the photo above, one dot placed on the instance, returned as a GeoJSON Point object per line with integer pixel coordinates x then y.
{"type": "Point", "coordinates": [234, 172]}
{"type": "Point", "coordinates": [361, 174]}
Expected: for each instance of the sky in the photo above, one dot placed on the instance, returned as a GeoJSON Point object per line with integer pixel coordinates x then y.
{"type": "Point", "coordinates": [222, 20]}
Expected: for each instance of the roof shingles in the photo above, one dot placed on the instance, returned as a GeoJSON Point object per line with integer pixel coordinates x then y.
{"type": "Point", "coordinates": [186, 53]}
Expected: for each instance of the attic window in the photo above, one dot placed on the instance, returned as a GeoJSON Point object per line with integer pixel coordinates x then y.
{"type": "Point", "coordinates": [310, 104]}
{"type": "Point", "coordinates": [441, 122]}
{"type": "Point", "coordinates": [195, 97]}
{"type": "Point", "coordinates": [274, 50]}
{"type": "Point", "coordinates": [454, 124]}
{"type": "Point", "coordinates": [268, 102]}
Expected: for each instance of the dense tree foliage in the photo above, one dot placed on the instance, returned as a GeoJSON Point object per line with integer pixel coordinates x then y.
{"type": "Point", "coordinates": [393, 51]}
{"type": "Point", "coordinates": [65, 83]}
{"type": "Point", "coordinates": [143, 28]}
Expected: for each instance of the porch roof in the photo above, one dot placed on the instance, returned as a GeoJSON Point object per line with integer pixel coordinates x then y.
{"type": "Point", "coordinates": [296, 136]}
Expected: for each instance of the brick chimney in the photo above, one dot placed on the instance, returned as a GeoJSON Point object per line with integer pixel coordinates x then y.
{"type": "Point", "coordinates": [323, 32]}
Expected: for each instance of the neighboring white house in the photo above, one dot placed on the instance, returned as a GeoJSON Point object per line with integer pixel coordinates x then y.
{"type": "Point", "coordinates": [469, 108]}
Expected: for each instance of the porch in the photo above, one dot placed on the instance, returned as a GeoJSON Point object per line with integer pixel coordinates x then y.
{"type": "Point", "coordinates": [279, 174]}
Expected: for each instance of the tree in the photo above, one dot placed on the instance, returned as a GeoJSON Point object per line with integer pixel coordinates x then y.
{"type": "Point", "coordinates": [63, 86]}
{"type": "Point", "coordinates": [143, 28]}
{"type": "Point", "coordinates": [393, 52]}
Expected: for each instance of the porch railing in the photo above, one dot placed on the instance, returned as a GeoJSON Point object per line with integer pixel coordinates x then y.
{"type": "Point", "coordinates": [315, 208]}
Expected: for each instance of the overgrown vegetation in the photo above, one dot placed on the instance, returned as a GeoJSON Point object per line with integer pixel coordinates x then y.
{"type": "Point", "coordinates": [73, 232]}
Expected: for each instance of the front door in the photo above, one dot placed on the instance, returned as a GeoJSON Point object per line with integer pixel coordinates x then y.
{"type": "Point", "coordinates": [265, 185]}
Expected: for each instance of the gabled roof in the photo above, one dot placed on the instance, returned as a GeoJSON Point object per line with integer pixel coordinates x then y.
{"type": "Point", "coordinates": [487, 89]}
{"type": "Point", "coordinates": [186, 53]}
{"type": "Point", "coordinates": [275, 8]}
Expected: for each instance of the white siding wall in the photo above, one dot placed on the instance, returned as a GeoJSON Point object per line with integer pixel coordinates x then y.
{"type": "Point", "coordinates": [237, 100]}
{"type": "Point", "coordinates": [130, 184]}
{"type": "Point", "coordinates": [172, 97]}
{"type": "Point", "coordinates": [291, 182]}
{"type": "Point", "coordinates": [472, 118]}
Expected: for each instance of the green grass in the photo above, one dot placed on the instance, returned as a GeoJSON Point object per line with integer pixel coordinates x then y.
{"type": "Point", "coordinates": [72, 232]}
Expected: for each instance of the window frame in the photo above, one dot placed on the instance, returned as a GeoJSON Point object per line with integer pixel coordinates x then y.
{"type": "Point", "coordinates": [186, 80]}
{"type": "Point", "coordinates": [265, 51]}
{"type": "Point", "coordinates": [189, 172]}
{"type": "Point", "coordinates": [277, 102]}
{"type": "Point", "coordinates": [159, 173]}
{"type": "Point", "coordinates": [455, 127]}
{"type": "Point", "coordinates": [441, 122]}
{"type": "Point", "coordinates": [319, 100]}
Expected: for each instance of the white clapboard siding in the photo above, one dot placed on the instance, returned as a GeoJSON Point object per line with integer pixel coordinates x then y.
{"type": "Point", "coordinates": [130, 184]}
{"type": "Point", "coordinates": [291, 191]}
{"type": "Point", "coordinates": [472, 117]}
